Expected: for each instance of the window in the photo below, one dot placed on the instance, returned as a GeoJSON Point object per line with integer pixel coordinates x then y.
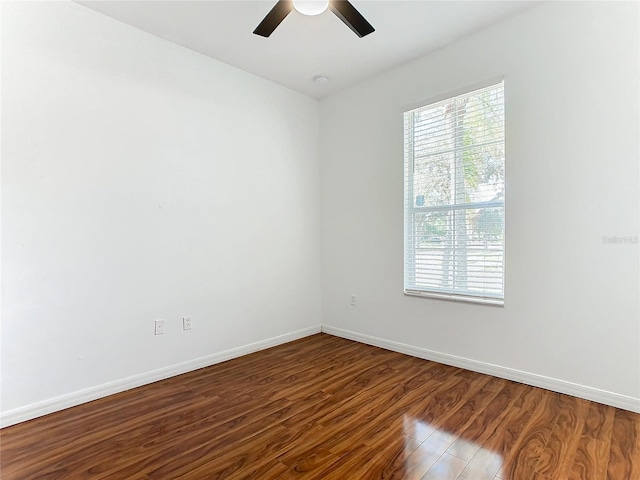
{"type": "Point", "coordinates": [454, 197]}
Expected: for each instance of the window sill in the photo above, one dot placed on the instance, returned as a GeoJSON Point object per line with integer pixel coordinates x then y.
{"type": "Point", "coordinates": [494, 302]}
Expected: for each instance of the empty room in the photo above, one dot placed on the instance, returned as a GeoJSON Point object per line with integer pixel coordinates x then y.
{"type": "Point", "coordinates": [326, 239]}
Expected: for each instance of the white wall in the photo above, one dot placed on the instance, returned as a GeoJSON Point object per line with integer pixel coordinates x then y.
{"type": "Point", "coordinates": [141, 180]}
{"type": "Point", "coordinates": [572, 106]}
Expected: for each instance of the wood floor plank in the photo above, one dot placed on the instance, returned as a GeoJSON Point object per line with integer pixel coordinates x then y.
{"type": "Point", "coordinates": [590, 460]}
{"type": "Point", "coordinates": [522, 459]}
{"type": "Point", "coordinates": [385, 424]}
{"type": "Point", "coordinates": [61, 433]}
{"type": "Point", "coordinates": [214, 439]}
{"type": "Point", "coordinates": [350, 463]}
{"type": "Point", "coordinates": [327, 408]}
{"type": "Point", "coordinates": [475, 402]}
{"type": "Point", "coordinates": [501, 446]}
{"type": "Point", "coordinates": [556, 458]}
{"type": "Point", "coordinates": [445, 403]}
{"type": "Point", "coordinates": [624, 458]}
{"type": "Point", "coordinates": [598, 422]}
{"type": "Point", "coordinates": [387, 455]}
{"type": "Point", "coordinates": [270, 469]}
{"type": "Point", "coordinates": [482, 428]}
{"type": "Point", "coordinates": [224, 461]}
{"type": "Point", "coordinates": [175, 443]}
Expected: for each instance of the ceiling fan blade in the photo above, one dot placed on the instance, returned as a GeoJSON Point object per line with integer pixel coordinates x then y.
{"type": "Point", "coordinates": [279, 11]}
{"type": "Point", "coordinates": [351, 17]}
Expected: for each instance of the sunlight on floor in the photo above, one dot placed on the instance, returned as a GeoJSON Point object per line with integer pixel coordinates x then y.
{"type": "Point", "coordinates": [443, 455]}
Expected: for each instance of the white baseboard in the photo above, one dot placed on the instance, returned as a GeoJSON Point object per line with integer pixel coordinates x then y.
{"type": "Point", "coordinates": [29, 412]}
{"type": "Point", "coordinates": [589, 393]}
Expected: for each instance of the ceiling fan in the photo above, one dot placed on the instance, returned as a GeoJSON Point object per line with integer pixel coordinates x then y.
{"type": "Point", "coordinates": [342, 8]}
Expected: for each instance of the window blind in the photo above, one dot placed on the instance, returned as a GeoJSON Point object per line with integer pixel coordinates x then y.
{"type": "Point", "coordinates": [454, 197]}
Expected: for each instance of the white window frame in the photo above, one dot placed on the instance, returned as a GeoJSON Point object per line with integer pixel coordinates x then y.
{"type": "Point", "coordinates": [410, 208]}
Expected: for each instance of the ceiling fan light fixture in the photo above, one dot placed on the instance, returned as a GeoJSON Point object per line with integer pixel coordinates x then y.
{"type": "Point", "coordinates": [311, 7]}
{"type": "Point", "coordinates": [343, 9]}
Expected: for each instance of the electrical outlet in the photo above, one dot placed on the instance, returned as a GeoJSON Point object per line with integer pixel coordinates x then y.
{"type": "Point", "coordinates": [353, 299]}
{"type": "Point", "coordinates": [186, 323]}
{"type": "Point", "coordinates": [159, 327]}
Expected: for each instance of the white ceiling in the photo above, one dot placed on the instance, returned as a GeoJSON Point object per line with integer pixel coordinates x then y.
{"type": "Point", "coordinates": [304, 47]}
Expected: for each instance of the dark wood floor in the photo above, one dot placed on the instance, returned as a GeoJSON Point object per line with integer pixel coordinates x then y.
{"type": "Point", "coordinates": [328, 408]}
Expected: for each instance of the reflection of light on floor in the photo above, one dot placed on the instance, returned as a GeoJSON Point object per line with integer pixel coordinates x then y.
{"type": "Point", "coordinates": [414, 428]}
{"type": "Point", "coordinates": [442, 455]}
